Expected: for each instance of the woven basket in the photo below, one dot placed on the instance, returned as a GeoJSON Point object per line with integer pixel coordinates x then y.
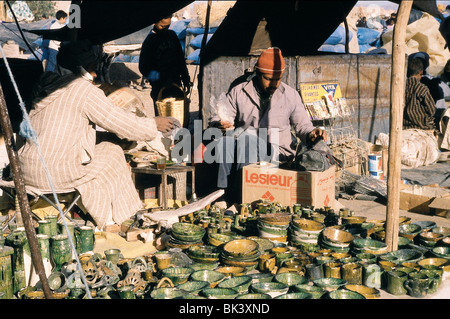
{"type": "Point", "coordinates": [176, 107]}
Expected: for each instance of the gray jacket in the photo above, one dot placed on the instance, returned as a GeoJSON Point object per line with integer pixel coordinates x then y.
{"type": "Point", "coordinates": [286, 111]}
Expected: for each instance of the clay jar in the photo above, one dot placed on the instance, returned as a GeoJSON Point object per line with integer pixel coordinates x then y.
{"type": "Point", "coordinates": [332, 270]}
{"type": "Point", "coordinates": [352, 273]}
{"type": "Point", "coordinates": [266, 262]}
{"type": "Point", "coordinates": [395, 282]}
{"type": "Point", "coordinates": [113, 255]}
{"type": "Point", "coordinates": [163, 260]}
{"type": "Point", "coordinates": [418, 284]}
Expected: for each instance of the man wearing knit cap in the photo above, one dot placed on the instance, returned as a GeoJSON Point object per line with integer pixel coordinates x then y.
{"type": "Point", "coordinates": [263, 101]}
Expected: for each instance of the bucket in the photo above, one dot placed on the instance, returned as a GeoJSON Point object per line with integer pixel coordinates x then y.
{"type": "Point", "coordinates": [377, 175]}
{"type": "Point", "coordinates": [375, 162]}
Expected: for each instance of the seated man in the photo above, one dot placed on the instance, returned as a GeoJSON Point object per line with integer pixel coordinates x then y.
{"type": "Point", "coordinates": [419, 104]}
{"type": "Point", "coordinates": [263, 101]}
{"type": "Point", "coordinates": [65, 111]}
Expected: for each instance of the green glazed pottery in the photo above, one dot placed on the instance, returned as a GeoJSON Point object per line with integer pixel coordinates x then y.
{"type": "Point", "coordinates": [193, 287]}
{"type": "Point", "coordinates": [177, 275]}
{"type": "Point", "coordinates": [345, 294]}
{"type": "Point", "coordinates": [274, 289]}
{"type": "Point", "coordinates": [239, 283]}
{"type": "Point", "coordinates": [330, 284]}
{"type": "Point", "coordinates": [316, 291]}
{"type": "Point", "coordinates": [219, 293]}
{"type": "Point", "coordinates": [167, 293]}
{"type": "Point", "coordinates": [290, 279]}
{"type": "Point", "coordinates": [211, 276]}
{"type": "Point", "coordinates": [295, 295]}
{"type": "Point", "coordinates": [254, 296]}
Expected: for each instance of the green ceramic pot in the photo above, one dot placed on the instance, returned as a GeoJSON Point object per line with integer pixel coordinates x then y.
{"type": "Point", "coordinates": [177, 275]}
{"type": "Point", "coordinates": [61, 252]}
{"type": "Point", "coordinates": [396, 282]}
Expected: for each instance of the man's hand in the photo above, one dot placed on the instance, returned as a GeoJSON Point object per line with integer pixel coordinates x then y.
{"type": "Point", "coordinates": [165, 124]}
{"type": "Point", "coordinates": [316, 134]}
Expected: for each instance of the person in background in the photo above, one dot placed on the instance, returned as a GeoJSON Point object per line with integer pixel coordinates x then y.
{"type": "Point", "coordinates": [362, 23]}
{"type": "Point", "coordinates": [419, 107]}
{"type": "Point", "coordinates": [440, 91]}
{"type": "Point", "coordinates": [53, 45]}
{"type": "Point", "coordinates": [65, 111]}
{"type": "Point", "coordinates": [264, 101]}
{"type": "Point", "coordinates": [162, 61]}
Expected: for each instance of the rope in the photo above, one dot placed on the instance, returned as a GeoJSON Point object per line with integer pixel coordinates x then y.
{"type": "Point", "coordinates": [27, 131]}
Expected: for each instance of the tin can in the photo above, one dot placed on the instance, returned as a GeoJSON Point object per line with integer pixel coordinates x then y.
{"type": "Point", "coordinates": [378, 175]}
{"type": "Point", "coordinates": [375, 163]}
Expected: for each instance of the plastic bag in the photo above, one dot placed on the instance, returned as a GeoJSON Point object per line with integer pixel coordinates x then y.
{"type": "Point", "coordinates": [221, 108]}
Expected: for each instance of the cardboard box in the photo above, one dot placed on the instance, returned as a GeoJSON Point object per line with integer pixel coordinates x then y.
{"type": "Point", "coordinates": [425, 199]}
{"type": "Point", "coordinates": [268, 182]}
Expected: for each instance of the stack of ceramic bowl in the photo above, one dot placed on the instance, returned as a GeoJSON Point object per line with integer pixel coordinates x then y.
{"type": "Point", "coordinates": [429, 239]}
{"type": "Point", "coordinates": [369, 246]}
{"type": "Point", "coordinates": [274, 226]}
{"type": "Point", "coordinates": [305, 232]}
{"type": "Point", "coordinates": [204, 254]}
{"type": "Point", "coordinates": [241, 252]}
{"type": "Point", "coordinates": [217, 239]}
{"type": "Point", "coordinates": [336, 239]}
{"type": "Point", "coordinates": [185, 235]}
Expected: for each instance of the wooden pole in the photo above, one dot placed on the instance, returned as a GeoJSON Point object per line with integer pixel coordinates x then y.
{"type": "Point", "coordinates": [396, 124]}
{"type": "Point", "coordinates": [205, 34]}
{"type": "Point", "coordinates": [24, 205]}
{"type": "Point", "coordinates": [347, 36]}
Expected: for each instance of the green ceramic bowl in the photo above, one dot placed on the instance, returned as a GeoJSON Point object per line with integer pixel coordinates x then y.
{"type": "Point", "coordinates": [316, 291]}
{"type": "Point", "coordinates": [193, 296]}
{"type": "Point", "coordinates": [177, 275]}
{"type": "Point", "coordinates": [345, 294]}
{"type": "Point", "coordinates": [409, 230]}
{"type": "Point", "coordinates": [295, 295]}
{"type": "Point", "coordinates": [220, 293]}
{"type": "Point", "coordinates": [261, 277]}
{"type": "Point", "coordinates": [442, 230]}
{"type": "Point", "coordinates": [441, 252]}
{"type": "Point", "coordinates": [330, 284]}
{"type": "Point", "coordinates": [205, 251]}
{"type": "Point", "coordinates": [425, 224]}
{"type": "Point", "coordinates": [290, 279]}
{"type": "Point", "coordinates": [240, 283]}
{"type": "Point", "coordinates": [167, 293]}
{"type": "Point", "coordinates": [403, 255]}
{"type": "Point", "coordinates": [269, 287]}
{"type": "Point", "coordinates": [187, 229]}
{"type": "Point", "coordinates": [193, 287]}
{"type": "Point", "coordinates": [211, 276]}
{"type": "Point", "coordinates": [264, 244]}
{"type": "Point", "coordinates": [254, 296]}
{"type": "Point", "coordinates": [204, 266]}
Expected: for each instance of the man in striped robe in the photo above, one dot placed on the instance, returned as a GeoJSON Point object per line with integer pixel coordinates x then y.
{"type": "Point", "coordinates": [65, 112]}
{"type": "Point", "coordinates": [419, 107]}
